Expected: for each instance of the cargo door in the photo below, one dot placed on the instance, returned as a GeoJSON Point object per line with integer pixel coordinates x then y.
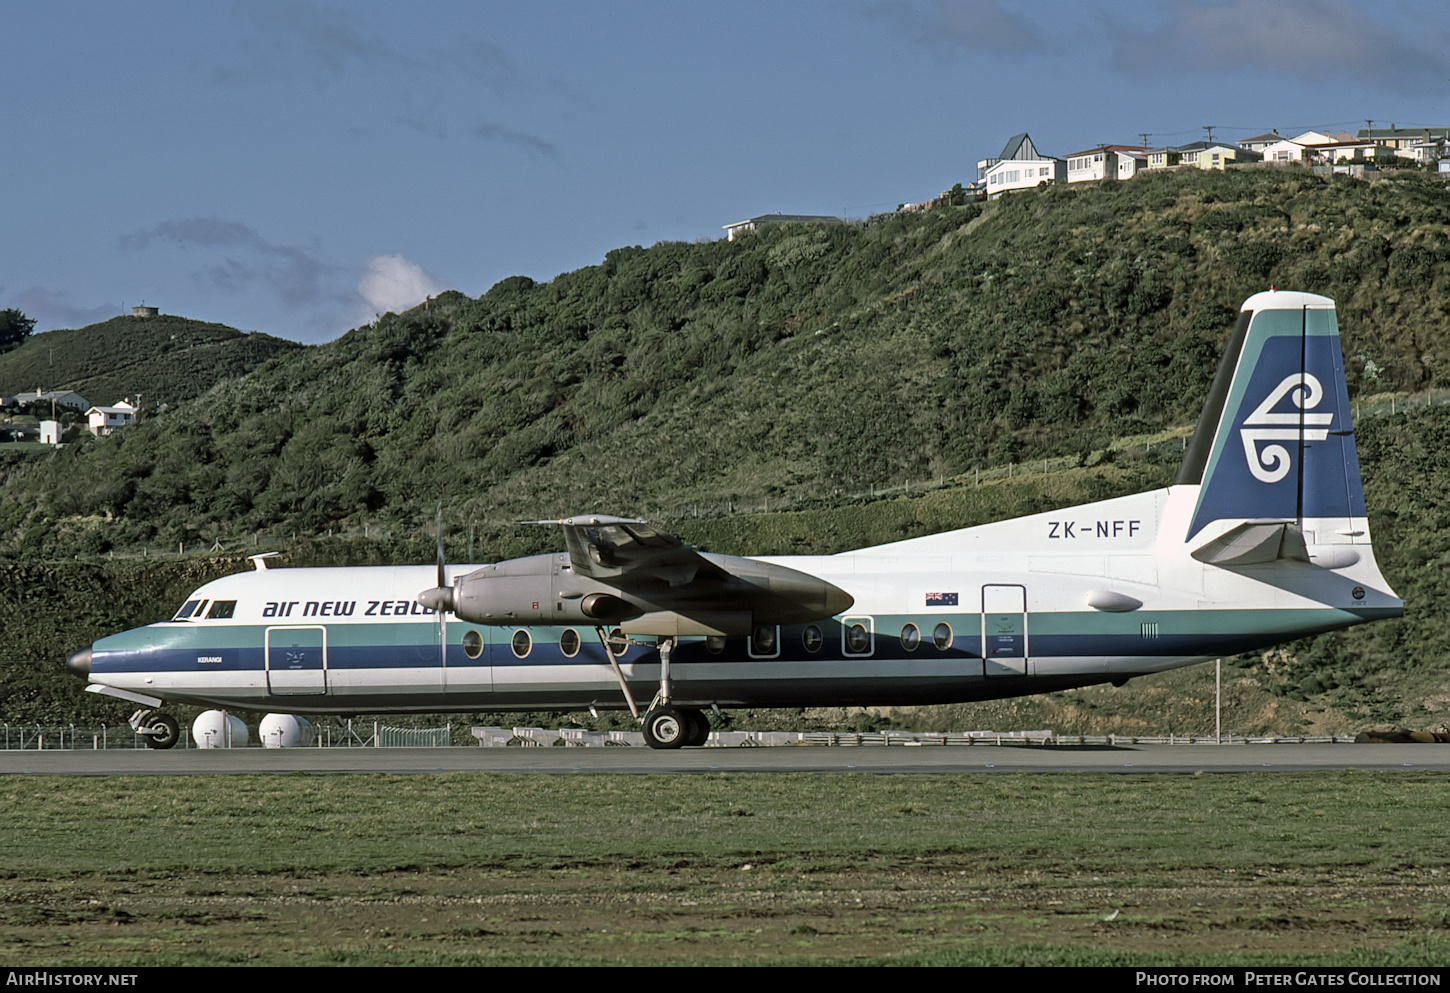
{"type": "Point", "coordinates": [297, 660]}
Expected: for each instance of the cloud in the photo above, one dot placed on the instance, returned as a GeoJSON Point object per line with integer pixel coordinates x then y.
{"type": "Point", "coordinates": [392, 283]}
{"type": "Point", "coordinates": [530, 143]}
{"type": "Point", "coordinates": [296, 276]}
{"type": "Point", "coordinates": [294, 36]}
{"type": "Point", "coordinates": [52, 310]}
{"type": "Point", "coordinates": [320, 41]}
{"type": "Point", "coordinates": [1307, 39]}
{"type": "Point", "coordinates": [490, 65]}
{"type": "Point", "coordinates": [980, 25]}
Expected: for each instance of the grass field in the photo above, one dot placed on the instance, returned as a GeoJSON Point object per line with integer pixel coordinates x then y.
{"type": "Point", "coordinates": [1350, 868]}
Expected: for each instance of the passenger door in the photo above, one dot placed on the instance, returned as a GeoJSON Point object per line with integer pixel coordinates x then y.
{"type": "Point", "coordinates": [1004, 630]}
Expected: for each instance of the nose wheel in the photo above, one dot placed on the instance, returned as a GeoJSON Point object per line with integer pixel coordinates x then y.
{"type": "Point", "coordinates": [160, 730]}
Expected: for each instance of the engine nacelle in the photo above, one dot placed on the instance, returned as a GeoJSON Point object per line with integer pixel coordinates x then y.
{"type": "Point", "coordinates": [709, 595]}
{"type": "Point", "coordinates": [539, 589]}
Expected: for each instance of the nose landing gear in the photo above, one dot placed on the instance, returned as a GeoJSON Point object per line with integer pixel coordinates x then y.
{"type": "Point", "coordinates": [160, 730]}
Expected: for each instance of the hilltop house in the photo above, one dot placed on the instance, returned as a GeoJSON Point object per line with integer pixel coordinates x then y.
{"type": "Point", "coordinates": [1408, 142]}
{"type": "Point", "coordinates": [104, 420]}
{"type": "Point", "coordinates": [1106, 162]}
{"type": "Point", "coordinates": [1020, 167]}
{"type": "Point", "coordinates": [1201, 155]}
{"type": "Point", "coordinates": [61, 398]}
{"type": "Point", "coordinates": [732, 231]}
{"type": "Point", "coordinates": [1259, 142]}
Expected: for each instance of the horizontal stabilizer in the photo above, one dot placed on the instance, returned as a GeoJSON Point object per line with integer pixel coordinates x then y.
{"type": "Point", "coordinates": [1254, 543]}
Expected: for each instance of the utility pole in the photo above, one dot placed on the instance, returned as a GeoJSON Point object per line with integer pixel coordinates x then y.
{"type": "Point", "coordinates": [1209, 129]}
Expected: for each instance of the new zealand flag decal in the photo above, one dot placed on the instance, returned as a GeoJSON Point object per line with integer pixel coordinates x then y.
{"type": "Point", "coordinates": [941, 599]}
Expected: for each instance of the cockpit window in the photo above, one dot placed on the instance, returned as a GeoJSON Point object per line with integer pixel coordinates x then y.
{"type": "Point", "coordinates": [186, 610]}
{"type": "Point", "coordinates": [222, 608]}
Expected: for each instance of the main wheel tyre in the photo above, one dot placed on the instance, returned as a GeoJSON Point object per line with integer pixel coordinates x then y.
{"type": "Point", "coordinates": [699, 731]}
{"type": "Point", "coordinates": [665, 728]}
{"type": "Point", "coordinates": [163, 731]}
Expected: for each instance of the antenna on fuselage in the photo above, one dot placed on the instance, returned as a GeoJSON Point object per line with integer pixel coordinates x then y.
{"type": "Point", "coordinates": [260, 561]}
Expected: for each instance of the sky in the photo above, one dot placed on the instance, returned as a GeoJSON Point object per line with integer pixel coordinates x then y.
{"type": "Point", "coordinates": [299, 167]}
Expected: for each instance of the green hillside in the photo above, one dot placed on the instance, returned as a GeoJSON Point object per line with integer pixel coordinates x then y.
{"type": "Point", "coordinates": [165, 359]}
{"type": "Point", "coordinates": [795, 364]}
{"type": "Point", "coordinates": [800, 368]}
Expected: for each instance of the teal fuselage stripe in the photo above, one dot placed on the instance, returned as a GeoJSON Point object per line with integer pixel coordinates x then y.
{"type": "Point", "coordinates": [208, 646]}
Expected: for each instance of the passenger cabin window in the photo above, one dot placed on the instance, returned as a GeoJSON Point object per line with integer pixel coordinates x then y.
{"type": "Point", "coordinates": [222, 608]}
{"type": "Point", "coordinates": [186, 610]}
{"type": "Point", "coordinates": [522, 644]}
{"type": "Point", "coordinates": [472, 644]}
{"type": "Point", "coordinates": [569, 642]}
{"type": "Point", "coordinates": [812, 640]}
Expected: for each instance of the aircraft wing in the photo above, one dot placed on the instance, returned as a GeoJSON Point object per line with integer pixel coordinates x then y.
{"type": "Point", "coordinates": [621, 552]}
{"type": "Point", "coordinates": [658, 572]}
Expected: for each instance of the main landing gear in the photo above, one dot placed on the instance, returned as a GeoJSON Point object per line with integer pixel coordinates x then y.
{"type": "Point", "coordinates": [664, 724]}
{"type": "Point", "coordinates": [671, 727]}
{"type": "Point", "coordinates": [160, 730]}
{"type": "Point", "coordinates": [668, 726]}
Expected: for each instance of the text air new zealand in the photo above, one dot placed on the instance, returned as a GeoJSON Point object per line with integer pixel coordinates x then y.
{"type": "Point", "coordinates": [1261, 539]}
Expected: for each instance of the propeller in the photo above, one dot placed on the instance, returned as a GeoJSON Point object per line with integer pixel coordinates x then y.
{"type": "Point", "coordinates": [440, 598]}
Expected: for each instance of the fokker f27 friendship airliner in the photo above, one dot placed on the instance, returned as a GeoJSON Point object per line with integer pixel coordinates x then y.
{"type": "Point", "coordinates": [1262, 538]}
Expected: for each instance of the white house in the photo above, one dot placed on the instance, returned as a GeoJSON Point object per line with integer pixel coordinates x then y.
{"type": "Point", "coordinates": [1020, 167]}
{"type": "Point", "coordinates": [104, 420]}
{"type": "Point", "coordinates": [1106, 162]}
{"type": "Point", "coordinates": [733, 231]}
{"type": "Point", "coordinates": [61, 398]}
{"type": "Point", "coordinates": [1259, 142]}
{"type": "Point", "coordinates": [50, 432]}
{"type": "Point", "coordinates": [1131, 162]}
{"type": "Point", "coordinates": [1289, 151]}
{"type": "Point", "coordinates": [1354, 151]}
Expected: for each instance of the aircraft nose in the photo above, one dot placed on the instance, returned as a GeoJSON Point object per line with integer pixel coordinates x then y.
{"type": "Point", "coordinates": [78, 662]}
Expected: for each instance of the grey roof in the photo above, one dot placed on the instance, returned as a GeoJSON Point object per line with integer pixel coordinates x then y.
{"type": "Point", "coordinates": [1437, 132]}
{"type": "Point", "coordinates": [66, 398]}
{"type": "Point", "coordinates": [1020, 146]}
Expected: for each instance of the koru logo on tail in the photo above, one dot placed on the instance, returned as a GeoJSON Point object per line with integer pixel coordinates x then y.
{"type": "Point", "coordinates": [1272, 462]}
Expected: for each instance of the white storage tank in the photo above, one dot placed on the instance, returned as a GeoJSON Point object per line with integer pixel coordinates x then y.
{"type": "Point", "coordinates": [286, 731]}
{"type": "Point", "coordinates": [218, 729]}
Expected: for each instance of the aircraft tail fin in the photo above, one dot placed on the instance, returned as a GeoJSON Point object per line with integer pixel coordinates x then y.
{"type": "Point", "coordinates": [1273, 454]}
